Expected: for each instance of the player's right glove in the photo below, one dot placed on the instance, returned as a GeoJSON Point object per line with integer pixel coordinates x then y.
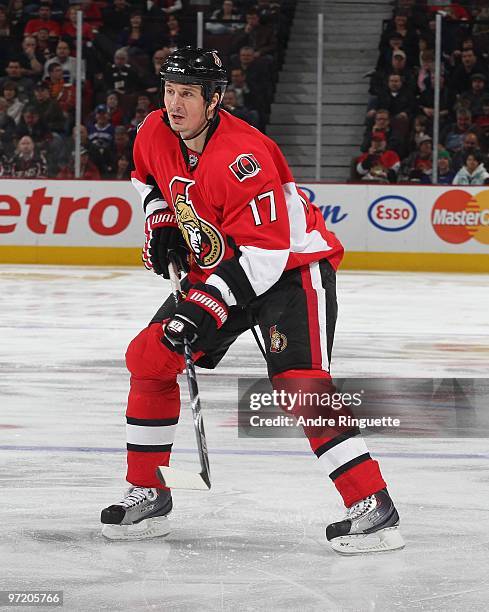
{"type": "Point", "coordinates": [201, 314]}
{"type": "Point", "coordinates": [163, 237]}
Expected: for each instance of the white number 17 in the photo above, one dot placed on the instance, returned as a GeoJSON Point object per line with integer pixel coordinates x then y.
{"type": "Point", "coordinates": [254, 207]}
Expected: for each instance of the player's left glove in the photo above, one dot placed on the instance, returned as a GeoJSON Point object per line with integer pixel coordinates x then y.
{"type": "Point", "coordinates": [162, 237]}
{"type": "Point", "coordinates": [197, 318]}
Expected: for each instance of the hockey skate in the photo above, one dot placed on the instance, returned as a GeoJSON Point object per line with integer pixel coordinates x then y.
{"type": "Point", "coordinates": [370, 525]}
{"type": "Point", "coordinates": [143, 513]}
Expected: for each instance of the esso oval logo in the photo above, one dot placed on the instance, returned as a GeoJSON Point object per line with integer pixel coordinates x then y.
{"type": "Point", "coordinates": [392, 213]}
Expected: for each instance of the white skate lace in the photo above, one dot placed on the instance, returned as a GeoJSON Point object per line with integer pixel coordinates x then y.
{"type": "Point", "coordinates": [361, 507]}
{"type": "Point", "coordinates": [135, 496]}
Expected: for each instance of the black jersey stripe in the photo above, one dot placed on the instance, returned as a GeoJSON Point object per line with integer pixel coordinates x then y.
{"type": "Point", "coordinates": [151, 422]}
{"type": "Point", "coordinates": [346, 435]}
{"type": "Point", "coordinates": [348, 465]}
{"type": "Point", "coordinates": [149, 448]}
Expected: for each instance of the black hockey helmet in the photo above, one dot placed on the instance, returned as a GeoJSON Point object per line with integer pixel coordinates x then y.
{"type": "Point", "coordinates": [196, 66]}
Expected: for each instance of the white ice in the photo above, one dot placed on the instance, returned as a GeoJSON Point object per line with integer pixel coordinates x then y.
{"type": "Point", "coordinates": [256, 540]}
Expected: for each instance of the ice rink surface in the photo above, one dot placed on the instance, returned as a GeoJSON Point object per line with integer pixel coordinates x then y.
{"type": "Point", "coordinates": [256, 540]}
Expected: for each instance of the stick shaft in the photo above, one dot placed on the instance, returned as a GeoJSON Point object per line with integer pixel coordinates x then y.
{"type": "Point", "coordinates": [193, 388]}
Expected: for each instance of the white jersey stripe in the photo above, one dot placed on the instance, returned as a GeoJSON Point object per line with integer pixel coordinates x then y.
{"type": "Point", "coordinates": [321, 299]}
{"type": "Point", "coordinates": [139, 434]}
{"type": "Point", "coordinates": [343, 452]}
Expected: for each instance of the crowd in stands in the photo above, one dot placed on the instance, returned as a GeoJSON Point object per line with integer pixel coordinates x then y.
{"type": "Point", "coordinates": [124, 45]}
{"type": "Point", "coordinates": [398, 140]}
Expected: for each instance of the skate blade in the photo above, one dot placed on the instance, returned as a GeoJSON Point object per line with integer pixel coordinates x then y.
{"type": "Point", "coordinates": [380, 541]}
{"type": "Point", "coordinates": [149, 528]}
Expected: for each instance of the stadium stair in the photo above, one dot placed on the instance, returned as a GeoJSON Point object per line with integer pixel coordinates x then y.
{"type": "Point", "coordinates": [351, 36]}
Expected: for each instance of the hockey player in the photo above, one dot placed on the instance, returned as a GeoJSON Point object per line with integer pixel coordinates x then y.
{"type": "Point", "coordinates": [220, 197]}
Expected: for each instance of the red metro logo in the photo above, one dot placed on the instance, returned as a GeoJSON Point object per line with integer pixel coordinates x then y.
{"type": "Point", "coordinates": [459, 216]}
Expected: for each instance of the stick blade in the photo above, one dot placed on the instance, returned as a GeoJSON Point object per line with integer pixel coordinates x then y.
{"type": "Point", "coordinates": [179, 479]}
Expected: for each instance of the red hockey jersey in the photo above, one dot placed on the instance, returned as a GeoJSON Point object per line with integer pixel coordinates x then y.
{"type": "Point", "coordinates": [237, 205]}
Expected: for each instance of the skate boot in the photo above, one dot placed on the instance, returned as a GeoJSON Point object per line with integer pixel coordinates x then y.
{"type": "Point", "coordinates": [143, 513]}
{"type": "Point", "coordinates": [370, 525]}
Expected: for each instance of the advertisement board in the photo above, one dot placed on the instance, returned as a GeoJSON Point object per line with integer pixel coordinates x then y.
{"type": "Point", "coordinates": [409, 227]}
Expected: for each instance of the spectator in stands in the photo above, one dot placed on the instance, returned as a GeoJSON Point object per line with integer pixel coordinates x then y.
{"type": "Point", "coordinates": [14, 105]}
{"type": "Point", "coordinates": [381, 124]}
{"type": "Point", "coordinates": [122, 168]}
{"type": "Point", "coordinates": [227, 12]}
{"type": "Point", "coordinates": [452, 136]}
{"type": "Point", "coordinates": [470, 144]}
{"type": "Point", "coordinates": [426, 70]}
{"type": "Point", "coordinates": [101, 131]}
{"type": "Point", "coordinates": [239, 85]}
{"type": "Point", "coordinates": [30, 60]}
{"type": "Point", "coordinates": [379, 164]}
{"type": "Point", "coordinates": [473, 98]}
{"type": "Point", "coordinates": [419, 165]}
{"type": "Point", "coordinates": [64, 59]}
{"type": "Point", "coordinates": [174, 37]}
{"type": "Point", "coordinates": [258, 78]}
{"type": "Point", "coordinates": [153, 81]}
{"type": "Point", "coordinates": [227, 16]}
{"type": "Point", "coordinates": [395, 98]}
{"type": "Point", "coordinates": [91, 13]}
{"type": "Point", "coordinates": [445, 172]}
{"type": "Point", "coordinates": [461, 77]}
{"type": "Point", "coordinates": [27, 162]}
{"type": "Point", "coordinates": [122, 143]}
{"type": "Point", "coordinates": [426, 101]}
{"type": "Point", "coordinates": [120, 76]}
{"type": "Point", "coordinates": [473, 171]}
{"type": "Point", "coordinates": [420, 129]}
{"type": "Point", "coordinates": [140, 115]}
{"type": "Point", "coordinates": [44, 21]}
{"type": "Point", "coordinates": [45, 46]}
{"type": "Point", "coordinates": [134, 37]}
{"type": "Point", "coordinates": [230, 103]}
{"type": "Point", "coordinates": [88, 170]}
{"type": "Point", "coordinates": [50, 112]}
{"type": "Point", "coordinates": [115, 19]}
{"type": "Point", "coordinates": [30, 125]}
{"type": "Point", "coordinates": [116, 116]}
{"type": "Point", "coordinates": [409, 39]}
{"type": "Point", "coordinates": [69, 28]}
{"type": "Point", "coordinates": [398, 66]}
{"type": "Point", "coordinates": [63, 93]}
{"type": "Point", "coordinates": [401, 104]}
{"type": "Point", "coordinates": [481, 125]}
{"type": "Point", "coordinates": [385, 58]}
{"type": "Point", "coordinates": [7, 129]}
{"type": "Point", "coordinates": [24, 85]}
{"type": "Point", "coordinates": [144, 101]}
{"type": "Point", "coordinates": [17, 18]}
{"type": "Point", "coordinates": [259, 36]}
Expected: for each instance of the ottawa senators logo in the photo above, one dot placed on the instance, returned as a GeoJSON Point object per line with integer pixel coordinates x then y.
{"type": "Point", "coordinates": [245, 166]}
{"type": "Point", "coordinates": [278, 341]}
{"type": "Point", "coordinates": [203, 239]}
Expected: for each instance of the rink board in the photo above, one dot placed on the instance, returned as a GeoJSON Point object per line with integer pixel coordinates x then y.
{"type": "Point", "coordinates": [383, 227]}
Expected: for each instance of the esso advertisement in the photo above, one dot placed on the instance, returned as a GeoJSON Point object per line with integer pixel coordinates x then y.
{"type": "Point", "coordinates": [459, 216]}
{"type": "Point", "coordinates": [71, 213]}
{"type": "Point", "coordinates": [392, 213]}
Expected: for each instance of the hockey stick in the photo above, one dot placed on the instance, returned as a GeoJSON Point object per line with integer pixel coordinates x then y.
{"type": "Point", "coordinates": [171, 477]}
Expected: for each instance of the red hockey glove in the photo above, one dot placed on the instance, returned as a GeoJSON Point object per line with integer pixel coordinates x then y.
{"type": "Point", "coordinates": [197, 318]}
{"type": "Point", "coordinates": [164, 237]}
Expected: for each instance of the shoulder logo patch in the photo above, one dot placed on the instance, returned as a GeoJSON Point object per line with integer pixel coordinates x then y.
{"type": "Point", "coordinates": [245, 166]}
